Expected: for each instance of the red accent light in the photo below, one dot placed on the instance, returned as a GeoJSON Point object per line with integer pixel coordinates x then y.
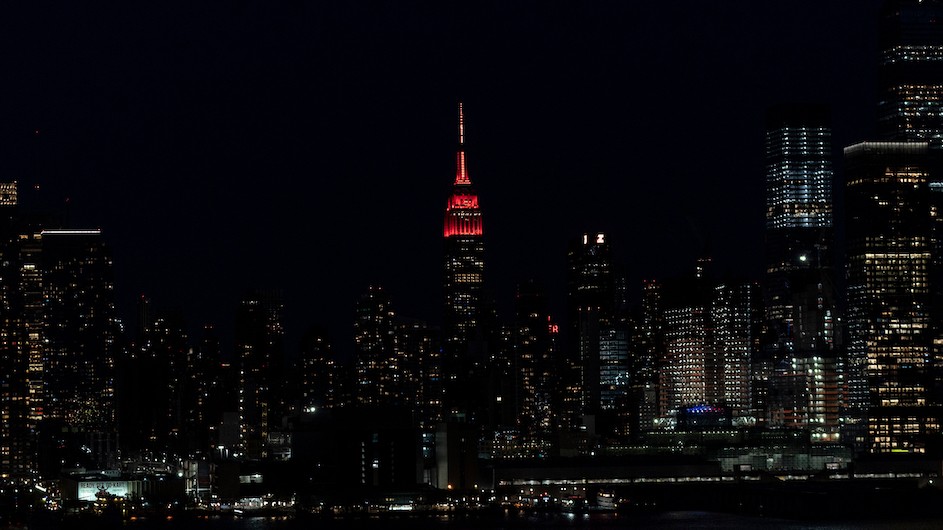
{"type": "Point", "coordinates": [461, 173]}
{"type": "Point", "coordinates": [462, 215]}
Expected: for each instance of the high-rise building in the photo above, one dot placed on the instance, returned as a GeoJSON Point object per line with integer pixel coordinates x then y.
{"type": "Point", "coordinates": [20, 401]}
{"type": "Point", "coordinates": [533, 368]}
{"type": "Point", "coordinates": [590, 301]}
{"type": "Point", "coordinates": [419, 363]}
{"type": "Point", "coordinates": [464, 333]}
{"type": "Point", "coordinates": [613, 368]}
{"type": "Point", "coordinates": [711, 335]}
{"type": "Point", "coordinates": [799, 288]}
{"type": "Point", "coordinates": [734, 319]}
{"type": "Point", "coordinates": [683, 374]}
{"type": "Point", "coordinates": [320, 375]}
{"type": "Point", "coordinates": [910, 103]}
{"type": "Point", "coordinates": [81, 328]}
{"type": "Point", "coordinates": [643, 366]}
{"type": "Point", "coordinates": [152, 377]}
{"type": "Point", "coordinates": [260, 353]}
{"type": "Point", "coordinates": [464, 261]}
{"type": "Point", "coordinates": [890, 367]}
{"type": "Point", "coordinates": [377, 378]}
{"type": "Point", "coordinates": [79, 334]}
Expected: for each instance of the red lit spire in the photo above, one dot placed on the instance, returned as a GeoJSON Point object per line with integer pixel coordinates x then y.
{"type": "Point", "coordinates": [462, 215]}
{"type": "Point", "coordinates": [461, 173]}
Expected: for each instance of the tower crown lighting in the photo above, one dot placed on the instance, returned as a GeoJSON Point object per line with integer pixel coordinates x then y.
{"type": "Point", "coordinates": [462, 214]}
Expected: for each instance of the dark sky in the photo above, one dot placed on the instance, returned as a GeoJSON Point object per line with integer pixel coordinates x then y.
{"type": "Point", "coordinates": [309, 146]}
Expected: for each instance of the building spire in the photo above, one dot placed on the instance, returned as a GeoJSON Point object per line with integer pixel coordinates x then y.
{"type": "Point", "coordinates": [461, 125]}
{"type": "Point", "coordinates": [461, 173]}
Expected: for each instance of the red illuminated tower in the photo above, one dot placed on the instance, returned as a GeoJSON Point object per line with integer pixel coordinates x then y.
{"type": "Point", "coordinates": [464, 260]}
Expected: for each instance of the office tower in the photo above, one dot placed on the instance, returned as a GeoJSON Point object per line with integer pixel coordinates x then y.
{"type": "Point", "coordinates": [736, 309]}
{"type": "Point", "coordinates": [643, 366]}
{"type": "Point", "coordinates": [683, 305]}
{"type": "Point", "coordinates": [464, 261]}
{"type": "Point", "coordinates": [377, 379]}
{"type": "Point", "coordinates": [201, 404]}
{"type": "Point", "coordinates": [18, 406]}
{"type": "Point", "coordinates": [801, 354]}
{"type": "Point", "coordinates": [419, 357]}
{"type": "Point", "coordinates": [890, 368]}
{"type": "Point", "coordinates": [79, 333]}
{"type": "Point", "coordinates": [260, 354]}
{"type": "Point", "coordinates": [683, 374]}
{"type": "Point", "coordinates": [613, 368]}
{"type": "Point", "coordinates": [590, 300]}
{"type": "Point", "coordinates": [910, 88]}
{"type": "Point", "coordinates": [319, 373]}
{"type": "Point", "coordinates": [153, 375]}
{"type": "Point", "coordinates": [167, 355]}
{"type": "Point", "coordinates": [711, 335]}
{"type": "Point", "coordinates": [534, 363]}
{"type": "Point", "coordinates": [81, 328]}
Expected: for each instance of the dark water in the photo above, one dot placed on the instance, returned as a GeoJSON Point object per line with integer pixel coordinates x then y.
{"type": "Point", "coordinates": [687, 520]}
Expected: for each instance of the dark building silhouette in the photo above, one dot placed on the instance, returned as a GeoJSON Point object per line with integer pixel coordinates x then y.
{"type": "Point", "coordinates": [534, 360]}
{"type": "Point", "coordinates": [20, 386]}
{"type": "Point", "coordinates": [590, 300]}
{"type": "Point", "coordinates": [261, 357]}
{"type": "Point", "coordinates": [319, 373]}
{"type": "Point", "coordinates": [378, 380]}
{"type": "Point", "coordinates": [152, 411]}
{"type": "Point", "coordinates": [419, 355]}
{"type": "Point", "coordinates": [644, 366]}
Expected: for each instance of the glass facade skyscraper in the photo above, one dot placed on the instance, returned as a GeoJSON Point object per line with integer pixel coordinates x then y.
{"type": "Point", "coordinates": [910, 105]}
{"type": "Point", "coordinates": [890, 369]}
{"type": "Point", "coordinates": [799, 289]}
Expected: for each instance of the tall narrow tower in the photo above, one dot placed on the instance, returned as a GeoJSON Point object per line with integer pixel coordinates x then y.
{"type": "Point", "coordinates": [799, 287]}
{"type": "Point", "coordinates": [910, 88]}
{"type": "Point", "coordinates": [464, 261]}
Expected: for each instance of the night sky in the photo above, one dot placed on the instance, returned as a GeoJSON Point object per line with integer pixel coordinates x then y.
{"type": "Point", "coordinates": [309, 146]}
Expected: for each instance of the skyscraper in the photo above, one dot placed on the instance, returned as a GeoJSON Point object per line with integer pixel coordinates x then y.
{"type": "Point", "coordinates": [710, 337]}
{"type": "Point", "coordinates": [799, 287]}
{"type": "Point", "coordinates": [533, 367]}
{"type": "Point", "coordinates": [320, 376]}
{"type": "Point", "coordinates": [734, 316]}
{"type": "Point", "coordinates": [464, 337]}
{"type": "Point", "coordinates": [910, 103]}
{"type": "Point", "coordinates": [890, 367]}
{"type": "Point", "coordinates": [377, 378]}
{"type": "Point", "coordinates": [79, 333]}
{"type": "Point", "coordinates": [590, 301]}
{"type": "Point", "coordinates": [259, 349]}
{"type": "Point", "coordinates": [16, 399]}
{"type": "Point", "coordinates": [464, 258]}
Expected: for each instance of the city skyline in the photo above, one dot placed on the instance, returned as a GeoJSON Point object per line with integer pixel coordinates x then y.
{"type": "Point", "coordinates": [274, 153]}
{"type": "Point", "coordinates": [680, 259]}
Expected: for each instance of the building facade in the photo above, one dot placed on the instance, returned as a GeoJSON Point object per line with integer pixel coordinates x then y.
{"type": "Point", "coordinates": [890, 368]}
{"type": "Point", "coordinates": [799, 288]}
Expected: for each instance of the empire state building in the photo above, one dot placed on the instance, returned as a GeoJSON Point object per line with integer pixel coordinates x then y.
{"type": "Point", "coordinates": [464, 258]}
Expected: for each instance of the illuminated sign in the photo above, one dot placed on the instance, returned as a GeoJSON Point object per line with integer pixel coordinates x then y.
{"type": "Point", "coordinates": [90, 490]}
